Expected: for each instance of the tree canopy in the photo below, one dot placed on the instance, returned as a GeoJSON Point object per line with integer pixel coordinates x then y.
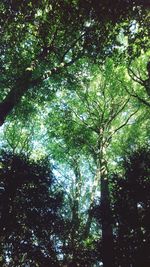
{"type": "Point", "coordinates": [74, 133]}
{"type": "Point", "coordinates": [41, 40]}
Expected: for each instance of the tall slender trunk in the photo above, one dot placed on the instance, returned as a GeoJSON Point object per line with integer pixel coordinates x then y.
{"type": "Point", "coordinates": [107, 232]}
{"type": "Point", "coordinates": [106, 217]}
{"type": "Point", "coordinates": [75, 215]}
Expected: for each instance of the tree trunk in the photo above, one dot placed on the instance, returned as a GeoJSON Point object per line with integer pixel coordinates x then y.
{"type": "Point", "coordinates": [107, 232]}
{"type": "Point", "coordinates": [14, 96]}
{"type": "Point", "coordinates": [21, 86]}
{"type": "Point", "coordinates": [106, 217]}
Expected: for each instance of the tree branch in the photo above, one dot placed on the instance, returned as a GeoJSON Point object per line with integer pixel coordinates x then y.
{"type": "Point", "coordinates": [122, 125]}
{"type": "Point", "coordinates": [134, 77]}
{"type": "Point", "coordinates": [114, 115]}
{"type": "Point", "coordinates": [136, 96]}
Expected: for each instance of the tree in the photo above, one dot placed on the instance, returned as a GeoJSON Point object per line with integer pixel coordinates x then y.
{"type": "Point", "coordinates": [131, 209]}
{"type": "Point", "coordinates": [29, 216]}
{"type": "Point", "coordinates": [138, 71]}
{"type": "Point", "coordinates": [79, 241]}
{"type": "Point", "coordinates": [40, 40]}
{"type": "Point", "coordinates": [62, 96]}
{"type": "Point", "coordinates": [86, 121]}
{"type": "Point", "coordinates": [83, 130]}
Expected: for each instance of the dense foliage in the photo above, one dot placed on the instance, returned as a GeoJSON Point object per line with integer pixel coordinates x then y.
{"type": "Point", "coordinates": [40, 40]}
{"type": "Point", "coordinates": [132, 210]}
{"type": "Point", "coordinates": [74, 104]}
{"type": "Point", "coordinates": [29, 209]}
